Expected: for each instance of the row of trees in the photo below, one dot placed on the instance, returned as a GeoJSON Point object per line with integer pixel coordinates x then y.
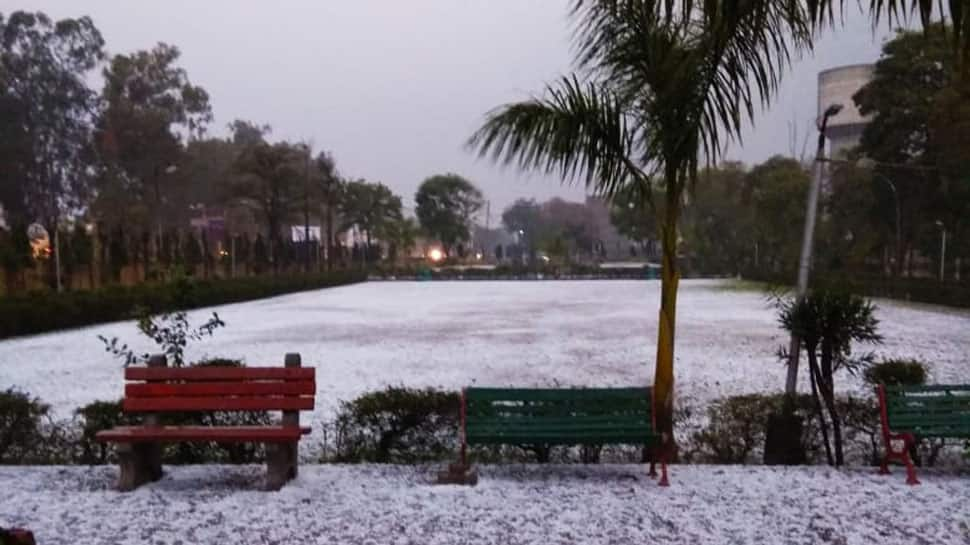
{"type": "Point", "coordinates": [133, 163]}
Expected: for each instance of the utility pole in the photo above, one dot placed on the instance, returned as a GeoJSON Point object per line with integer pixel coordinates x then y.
{"type": "Point", "coordinates": [807, 240]}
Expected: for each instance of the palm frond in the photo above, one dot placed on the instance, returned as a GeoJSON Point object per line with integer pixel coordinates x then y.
{"type": "Point", "coordinates": [704, 66]}
{"type": "Point", "coordinates": [747, 47]}
{"type": "Point", "coordinates": [578, 131]}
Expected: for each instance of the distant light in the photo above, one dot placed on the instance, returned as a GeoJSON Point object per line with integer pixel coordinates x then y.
{"type": "Point", "coordinates": [478, 256]}
{"type": "Point", "coordinates": [545, 258]}
{"type": "Point", "coordinates": [436, 255]}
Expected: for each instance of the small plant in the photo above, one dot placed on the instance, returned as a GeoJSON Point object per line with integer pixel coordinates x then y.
{"type": "Point", "coordinates": [171, 331]}
{"type": "Point", "coordinates": [828, 322]}
{"type": "Point", "coordinates": [896, 373]}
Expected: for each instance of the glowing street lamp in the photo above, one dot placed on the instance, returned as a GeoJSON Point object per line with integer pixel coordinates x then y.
{"type": "Point", "coordinates": [436, 255]}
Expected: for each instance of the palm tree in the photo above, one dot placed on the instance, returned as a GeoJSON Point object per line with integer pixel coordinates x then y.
{"type": "Point", "coordinates": [660, 84]}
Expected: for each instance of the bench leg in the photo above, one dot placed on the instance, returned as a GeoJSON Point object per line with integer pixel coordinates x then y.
{"type": "Point", "coordinates": [139, 463]}
{"type": "Point", "coordinates": [653, 469]}
{"type": "Point", "coordinates": [281, 464]}
{"type": "Point", "coordinates": [901, 455]}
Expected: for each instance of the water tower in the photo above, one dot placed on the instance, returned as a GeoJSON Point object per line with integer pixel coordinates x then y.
{"type": "Point", "coordinates": [837, 85]}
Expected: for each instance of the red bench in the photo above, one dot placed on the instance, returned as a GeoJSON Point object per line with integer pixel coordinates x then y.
{"type": "Point", "coordinates": [158, 389]}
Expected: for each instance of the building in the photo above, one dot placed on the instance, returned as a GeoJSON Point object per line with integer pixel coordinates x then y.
{"type": "Point", "coordinates": [836, 86]}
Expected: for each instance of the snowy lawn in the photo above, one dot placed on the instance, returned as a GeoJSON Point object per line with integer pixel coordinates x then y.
{"type": "Point", "coordinates": [511, 505]}
{"type": "Point", "coordinates": [452, 334]}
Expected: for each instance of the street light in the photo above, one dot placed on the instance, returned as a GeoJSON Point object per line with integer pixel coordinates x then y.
{"type": "Point", "coordinates": [807, 239]}
{"type": "Point", "coordinates": [942, 248]}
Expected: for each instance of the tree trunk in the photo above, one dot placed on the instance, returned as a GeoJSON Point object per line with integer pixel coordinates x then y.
{"type": "Point", "coordinates": [663, 382]}
{"type": "Point", "coordinates": [330, 244]}
{"type": "Point", "coordinates": [814, 379]}
{"type": "Point", "coordinates": [828, 394]}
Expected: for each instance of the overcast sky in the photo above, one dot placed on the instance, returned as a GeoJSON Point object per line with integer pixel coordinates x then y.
{"type": "Point", "coordinates": [394, 88]}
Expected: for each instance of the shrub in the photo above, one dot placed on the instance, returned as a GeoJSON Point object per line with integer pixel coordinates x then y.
{"type": "Point", "coordinates": [95, 417]}
{"type": "Point", "coordinates": [398, 425]}
{"type": "Point", "coordinates": [28, 435]}
{"type": "Point", "coordinates": [735, 429]}
{"type": "Point", "coordinates": [20, 426]}
{"type": "Point", "coordinates": [896, 373]}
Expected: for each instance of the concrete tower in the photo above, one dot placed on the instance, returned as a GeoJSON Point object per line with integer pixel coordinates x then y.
{"type": "Point", "coordinates": [837, 85]}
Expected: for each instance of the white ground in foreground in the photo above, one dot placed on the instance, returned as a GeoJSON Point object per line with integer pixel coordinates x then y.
{"type": "Point", "coordinates": [452, 334]}
{"type": "Point", "coordinates": [511, 505]}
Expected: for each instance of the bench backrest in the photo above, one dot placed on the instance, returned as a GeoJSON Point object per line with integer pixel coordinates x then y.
{"type": "Point", "coordinates": [938, 410]}
{"type": "Point", "coordinates": [163, 389]}
{"type": "Point", "coordinates": [558, 416]}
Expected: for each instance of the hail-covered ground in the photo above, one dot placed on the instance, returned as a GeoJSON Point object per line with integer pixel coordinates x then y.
{"type": "Point", "coordinates": [453, 334]}
{"type": "Point", "coordinates": [534, 505]}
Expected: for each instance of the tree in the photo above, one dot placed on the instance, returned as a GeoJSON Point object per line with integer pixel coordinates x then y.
{"type": "Point", "coordinates": [330, 188]}
{"type": "Point", "coordinates": [269, 181]}
{"type": "Point", "coordinates": [149, 104]}
{"type": "Point", "coordinates": [405, 237]}
{"type": "Point", "coordinates": [47, 111]}
{"type": "Point", "coordinates": [633, 217]}
{"type": "Point", "coordinates": [445, 206]}
{"type": "Point", "coordinates": [15, 255]}
{"type": "Point", "coordinates": [913, 70]}
{"type": "Point", "coordinates": [659, 83]}
{"type": "Point", "coordinates": [776, 191]}
{"type": "Point", "coordinates": [373, 208]}
{"type": "Point", "coordinates": [717, 223]}
{"type": "Point", "coordinates": [567, 229]}
{"type": "Point", "coordinates": [522, 218]}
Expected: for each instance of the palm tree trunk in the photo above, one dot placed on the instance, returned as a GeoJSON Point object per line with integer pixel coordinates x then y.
{"type": "Point", "coordinates": [663, 382]}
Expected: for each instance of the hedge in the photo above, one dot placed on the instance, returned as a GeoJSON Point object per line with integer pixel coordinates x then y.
{"type": "Point", "coordinates": [515, 272]}
{"type": "Point", "coordinates": [39, 312]}
{"type": "Point", "coordinates": [919, 290]}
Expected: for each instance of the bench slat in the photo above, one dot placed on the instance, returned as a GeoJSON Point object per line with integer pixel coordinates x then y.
{"type": "Point", "coordinates": [205, 389]}
{"type": "Point", "coordinates": [597, 395]}
{"type": "Point", "coordinates": [241, 403]}
{"type": "Point", "coordinates": [234, 434]}
{"type": "Point", "coordinates": [566, 439]}
{"type": "Point", "coordinates": [559, 416]}
{"type": "Point", "coordinates": [215, 374]}
{"type": "Point", "coordinates": [938, 410]}
{"type": "Point", "coordinates": [572, 422]}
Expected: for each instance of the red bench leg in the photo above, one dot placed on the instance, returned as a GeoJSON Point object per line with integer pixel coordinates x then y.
{"type": "Point", "coordinates": [139, 463]}
{"type": "Point", "coordinates": [901, 455]}
{"type": "Point", "coordinates": [281, 464]}
{"type": "Point", "coordinates": [653, 468]}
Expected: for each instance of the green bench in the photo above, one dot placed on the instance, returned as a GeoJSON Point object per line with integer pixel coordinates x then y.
{"type": "Point", "coordinates": [546, 417]}
{"type": "Point", "coordinates": [912, 413]}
